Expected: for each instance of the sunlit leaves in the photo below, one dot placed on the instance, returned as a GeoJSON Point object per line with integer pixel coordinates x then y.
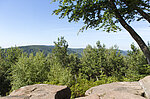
{"type": "Point", "coordinates": [98, 14]}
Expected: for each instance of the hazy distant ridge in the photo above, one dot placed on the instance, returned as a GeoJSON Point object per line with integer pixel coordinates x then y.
{"type": "Point", "coordinates": [48, 49]}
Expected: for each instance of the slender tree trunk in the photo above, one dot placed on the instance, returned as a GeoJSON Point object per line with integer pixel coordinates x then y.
{"type": "Point", "coordinates": [132, 32]}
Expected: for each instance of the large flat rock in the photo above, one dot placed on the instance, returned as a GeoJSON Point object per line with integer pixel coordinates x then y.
{"type": "Point", "coordinates": [92, 96]}
{"type": "Point", "coordinates": [40, 91]}
{"type": "Point", "coordinates": [145, 83]}
{"type": "Point", "coordinates": [15, 97]}
{"type": "Point", "coordinates": [120, 95]}
{"type": "Point", "coordinates": [118, 90]}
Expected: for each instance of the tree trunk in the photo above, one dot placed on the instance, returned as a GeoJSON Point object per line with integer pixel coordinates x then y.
{"type": "Point", "coordinates": [132, 32]}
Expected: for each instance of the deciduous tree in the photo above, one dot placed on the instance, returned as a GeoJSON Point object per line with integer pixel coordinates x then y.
{"type": "Point", "coordinates": [106, 14]}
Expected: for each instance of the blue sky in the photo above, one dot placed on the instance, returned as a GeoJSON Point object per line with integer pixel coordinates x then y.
{"type": "Point", "coordinates": [30, 22]}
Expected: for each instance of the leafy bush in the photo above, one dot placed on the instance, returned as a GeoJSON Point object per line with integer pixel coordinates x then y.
{"type": "Point", "coordinates": [29, 70]}
{"type": "Point", "coordinates": [80, 87]}
{"type": "Point", "coordinates": [8, 57]}
{"type": "Point", "coordinates": [59, 75]}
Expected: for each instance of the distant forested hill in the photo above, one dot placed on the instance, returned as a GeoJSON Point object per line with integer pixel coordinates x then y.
{"type": "Point", "coordinates": [48, 49]}
{"type": "Point", "coordinates": [124, 52]}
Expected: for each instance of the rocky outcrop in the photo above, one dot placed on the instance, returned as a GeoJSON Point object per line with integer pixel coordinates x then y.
{"type": "Point", "coordinates": [126, 87]}
{"type": "Point", "coordinates": [40, 91]}
{"type": "Point", "coordinates": [117, 90]}
{"type": "Point", "coordinates": [92, 96]}
{"type": "Point", "coordinates": [145, 83]}
{"type": "Point", "coordinates": [120, 90]}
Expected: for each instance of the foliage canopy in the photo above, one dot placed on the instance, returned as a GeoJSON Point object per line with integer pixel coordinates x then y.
{"type": "Point", "coordinates": [106, 14]}
{"type": "Point", "coordinates": [99, 13]}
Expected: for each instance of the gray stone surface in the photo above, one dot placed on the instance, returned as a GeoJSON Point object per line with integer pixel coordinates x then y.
{"type": "Point", "coordinates": [120, 95]}
{"type": "Point", "coordinates": [15, 97]}
{"type": "Point", "coordinates": [40, 91]}
{"type": "Point", "coordinates": [118, 90]}
{"type": "Point", "coordinates": [145, 83]}
{"type": "Point", "coordinates": [129, 87]}
{"type": "Point", "coordinates": [92, 96]}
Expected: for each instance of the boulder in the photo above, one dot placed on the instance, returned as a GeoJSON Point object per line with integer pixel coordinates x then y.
{"type": "Point", "coordinates": [40, 91]}
{"type": "Point", "coordinates": [145, 83]}
{"type": "Point", "coordinates": [120, 95]}
{"type": "Point", "coordinates": [118, 90]}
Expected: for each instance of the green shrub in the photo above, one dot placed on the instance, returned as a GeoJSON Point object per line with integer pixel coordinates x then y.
{"type": "Point", "coordinates": [29, 70]}
{"type": "Point", "coordinates": [80, 87]}
{"type": "Point", "coordinates": [59, 75]}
